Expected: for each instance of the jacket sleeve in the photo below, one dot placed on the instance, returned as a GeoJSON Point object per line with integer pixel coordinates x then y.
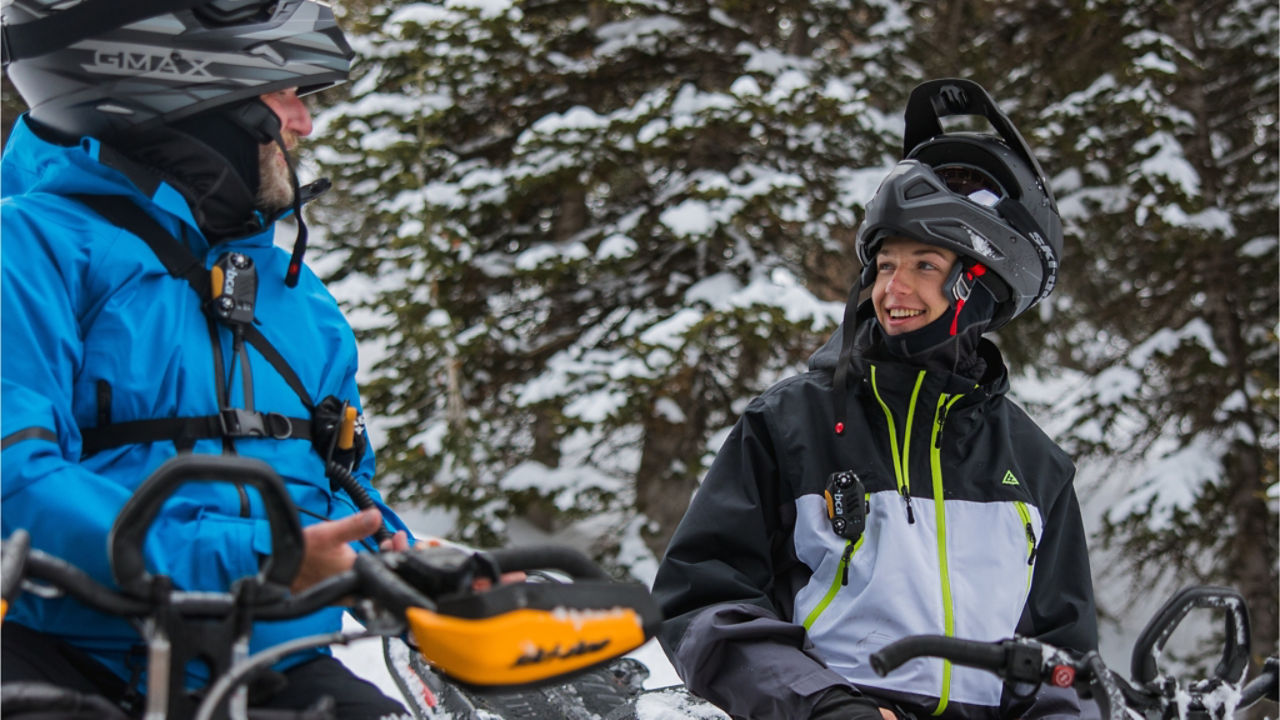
{"type": "Point", "coordinates": [1061, 609]}
{"type": "Point", "coordinates": [723, 633]}
{"type": "Point", "coordinates": [364, 474]}
{"type": "Point", "coordinates": [341, 345]}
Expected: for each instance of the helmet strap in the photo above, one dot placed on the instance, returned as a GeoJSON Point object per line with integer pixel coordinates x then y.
{"type": "Point", "coordinates": [959, 285]}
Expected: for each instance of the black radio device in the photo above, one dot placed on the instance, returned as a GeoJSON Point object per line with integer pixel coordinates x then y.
{"type": "Point", "coordinates": [846, 504]}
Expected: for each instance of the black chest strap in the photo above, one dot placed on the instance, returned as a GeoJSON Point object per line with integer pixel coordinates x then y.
{"type": "Point", "coordinates": [181, 263]}
{"type": "Point", "coordinates": [184, 431]}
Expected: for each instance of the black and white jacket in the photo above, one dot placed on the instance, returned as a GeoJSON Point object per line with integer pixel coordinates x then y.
{"type": "Point", "coordinates": [973, 530]}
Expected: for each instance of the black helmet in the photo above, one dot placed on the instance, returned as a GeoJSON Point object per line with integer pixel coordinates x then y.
{"type": "Point", "coordinates": [98, 67]}
{"type": "Point", "coordinates": [982, 196]}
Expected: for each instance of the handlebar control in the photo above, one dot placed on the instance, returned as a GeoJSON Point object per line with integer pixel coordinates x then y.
{"type": "Point", "coordinates": [129, 532]}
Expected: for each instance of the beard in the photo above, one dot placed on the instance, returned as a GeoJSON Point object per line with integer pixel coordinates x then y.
{"type": "Point", "coordinates": [275, 185]}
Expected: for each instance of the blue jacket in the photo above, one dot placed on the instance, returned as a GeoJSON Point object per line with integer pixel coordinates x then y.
{"type": "Point", "coordinates": [95, 330]}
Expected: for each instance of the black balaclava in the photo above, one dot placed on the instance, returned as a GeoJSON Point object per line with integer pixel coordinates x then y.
{"type": "Point", "coordinates": [212, 159]}
{"type": "Point", "coordinates": [230, 140]}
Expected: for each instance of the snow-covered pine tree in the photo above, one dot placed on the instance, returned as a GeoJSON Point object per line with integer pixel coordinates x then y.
{"type": "Point", "coordinates": [595, 229]}
{"type": "Point", "coordinates": [1166, 155]}
{"type": "Point", "coordinates": [570, 212]}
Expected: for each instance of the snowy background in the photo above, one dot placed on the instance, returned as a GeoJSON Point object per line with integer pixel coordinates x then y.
{"type": "Point", "coordinates": [576, 238]}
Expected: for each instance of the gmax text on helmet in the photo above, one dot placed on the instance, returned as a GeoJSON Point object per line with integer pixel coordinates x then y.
{"type": "Point", "coordinates": [174, 64]}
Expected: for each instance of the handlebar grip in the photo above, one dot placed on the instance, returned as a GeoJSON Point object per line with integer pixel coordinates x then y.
{"type": "Point", "coordinates": [548, 557]}
{"type": "Point", "coordinates": [129, 532]}
{"type": "Point", "coordinates": [970, 653]}
{"type": "Point", "coordinates": [1265, 685]}
{"type": "Point", "coordinates": [384, 585]}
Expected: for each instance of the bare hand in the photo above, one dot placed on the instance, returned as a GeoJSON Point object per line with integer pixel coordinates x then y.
{"type": "Point", "coordinates": [396, 543]}
{"type": "Point", "coordinates": [888, 714]}
{"type": "Point", "coordinates": [326, 549]}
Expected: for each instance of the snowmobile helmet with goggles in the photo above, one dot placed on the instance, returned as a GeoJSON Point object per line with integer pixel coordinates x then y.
{"type": "Point", "coordinates": [101, 67]}
{"type": "Point", "coordinates": [980, 195]}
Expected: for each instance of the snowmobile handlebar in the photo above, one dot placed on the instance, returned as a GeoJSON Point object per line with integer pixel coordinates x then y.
{"type": "Point", "coordinates": [513, 634]}
{"type": "Point", "coordinates": [547, 557]}
{"type": "Point", "coordinates": [1151, 694]}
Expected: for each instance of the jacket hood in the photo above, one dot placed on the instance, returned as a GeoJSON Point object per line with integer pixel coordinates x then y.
{"type": "Point", "coordinates": [33, 164]}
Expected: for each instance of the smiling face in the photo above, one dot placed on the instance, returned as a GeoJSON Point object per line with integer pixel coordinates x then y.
{"type": "Point", "coordinates": [908, 291]}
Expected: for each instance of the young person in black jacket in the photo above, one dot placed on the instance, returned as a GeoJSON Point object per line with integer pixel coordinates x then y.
{"type": "Point", "coordinates": [775, 598]}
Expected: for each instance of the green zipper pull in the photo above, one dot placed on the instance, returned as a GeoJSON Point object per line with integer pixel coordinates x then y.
{"type": "Point", "coordinates": [844, 563]}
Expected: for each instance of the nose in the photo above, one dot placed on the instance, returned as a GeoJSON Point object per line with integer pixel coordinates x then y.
{"type": "Point", "coordinates": [294, 116]}
{"type": "Point", "coordinates": [897, 283]}
{"type": "Point", "coordinates": [295, 119]}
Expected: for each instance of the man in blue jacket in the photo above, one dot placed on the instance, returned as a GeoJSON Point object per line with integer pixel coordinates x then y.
{"type": "Point", "coordinates": [113, 361]}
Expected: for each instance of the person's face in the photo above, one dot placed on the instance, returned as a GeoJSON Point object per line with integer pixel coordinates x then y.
{"type": "Point", "coordinates": [275, 190]}
{"type": "Point", "coordinates": [908, 291]}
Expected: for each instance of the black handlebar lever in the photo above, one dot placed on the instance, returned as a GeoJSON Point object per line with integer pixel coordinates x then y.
{"type": "Point", "coordinates": [1235, 650]}
{"type": "Point", "coordinates": [129, 532]}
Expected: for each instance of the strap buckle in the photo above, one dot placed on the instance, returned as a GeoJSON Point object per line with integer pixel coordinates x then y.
{"type": "Point", "coordinates": [238, 422]}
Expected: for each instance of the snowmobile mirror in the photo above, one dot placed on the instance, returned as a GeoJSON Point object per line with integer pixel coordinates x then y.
{"type": "Point", "coordinates": [129, 531]}
{"type": "Point", "coordinates": [1235, 652]}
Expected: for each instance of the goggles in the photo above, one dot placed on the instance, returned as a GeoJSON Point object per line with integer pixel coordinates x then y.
{"type": "Point", "coordinates": [972, 183]}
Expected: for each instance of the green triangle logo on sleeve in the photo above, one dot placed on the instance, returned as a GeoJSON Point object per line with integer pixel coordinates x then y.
{"type": "Point", "coordinates": [1009, 478]}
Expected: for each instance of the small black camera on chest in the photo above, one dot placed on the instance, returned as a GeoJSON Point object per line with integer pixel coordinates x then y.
{"type": "Point", "coordinates": [846, 504]}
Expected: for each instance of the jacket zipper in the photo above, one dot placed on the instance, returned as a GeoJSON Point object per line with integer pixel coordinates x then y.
{"type": "Point", "coordinates": [901, 467]}
{"type": "Point", "coordinates": [945, 402]}
{"type": "Point", "coordinates": [841, 578]}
